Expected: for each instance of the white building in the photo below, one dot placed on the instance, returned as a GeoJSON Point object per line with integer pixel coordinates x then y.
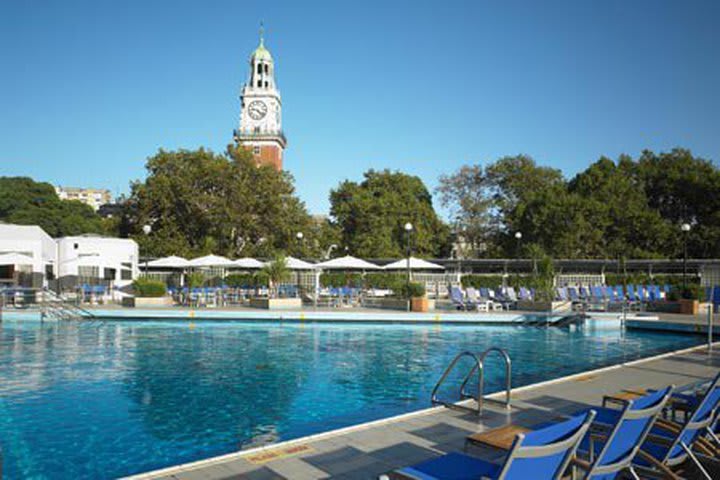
{"type": "Point", "coordinates": [91, 257]}
{"type": "Point", "coordinates": [31, 242]}
{"type": "Point", "coordinates": [95, 197]}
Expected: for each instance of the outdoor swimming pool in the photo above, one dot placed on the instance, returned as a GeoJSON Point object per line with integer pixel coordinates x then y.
{"type": "Point", "coordinates": [110, 399]}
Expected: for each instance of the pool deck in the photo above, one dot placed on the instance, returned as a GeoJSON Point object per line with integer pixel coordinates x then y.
{"type": "Point", "coordinates": [365, 451]}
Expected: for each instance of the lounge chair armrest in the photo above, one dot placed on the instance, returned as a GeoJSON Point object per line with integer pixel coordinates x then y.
{"type": "Point", "coordinates": [579, 462]}
{"type": "Point", "coordinates": [668, 425]}
{"type": "Point", "coordinates": [659, 465]}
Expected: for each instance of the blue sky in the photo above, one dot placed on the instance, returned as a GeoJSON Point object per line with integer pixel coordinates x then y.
{"type": "Point", "coordinates": [90, 89]}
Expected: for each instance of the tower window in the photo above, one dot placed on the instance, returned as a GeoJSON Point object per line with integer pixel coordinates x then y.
{"type": "Point", "coordinates": [266, 83]}
{"type": "Point", "coordinates": [266, 68]}
{"type": "Point", "coordinates": [260, 68]}
{"type": "Point", "coordinates": [257, 130]}
{"type": "Point", "coordinates": [259, 83]}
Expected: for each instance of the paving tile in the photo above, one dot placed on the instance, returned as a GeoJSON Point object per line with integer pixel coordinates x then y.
{"type": "Point", "coordinates": [406, 452]}
{"type": "Point", "coordinates": [442, 432]}
{"type": "Point", "coordinates": [263, 473]}
{"type": "Point", "coordinates": [342, 460]}
{"type": "Point", "coordinates": [297, 469]}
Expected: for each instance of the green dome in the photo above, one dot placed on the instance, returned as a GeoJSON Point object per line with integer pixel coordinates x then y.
{"type": "Point", "coordinates": [261, 53]}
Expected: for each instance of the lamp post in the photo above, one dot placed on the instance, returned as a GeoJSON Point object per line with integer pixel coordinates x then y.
{"type": "Point", "coordinates": [685, 227]}
{"type": "Point", "coordinates": [146, 230]}
{"type": "Point", "coordinates": [408, 232]}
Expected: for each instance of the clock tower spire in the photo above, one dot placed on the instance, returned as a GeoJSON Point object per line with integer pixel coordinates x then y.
{"type": "Point", "coordinates": [260, 127]}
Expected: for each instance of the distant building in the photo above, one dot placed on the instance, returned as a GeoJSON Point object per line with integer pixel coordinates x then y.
{"type": "Point", "coordinates": [260, 127]}
{"type": "Point", "coordinates": [94, 197]}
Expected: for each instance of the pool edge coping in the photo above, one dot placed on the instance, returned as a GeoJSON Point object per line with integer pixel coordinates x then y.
{"type": "Point", "coordinates": [207, 462]}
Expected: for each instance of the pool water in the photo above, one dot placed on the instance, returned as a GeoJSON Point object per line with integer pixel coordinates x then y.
{"type": "Point", "coordinates": [91, 401]}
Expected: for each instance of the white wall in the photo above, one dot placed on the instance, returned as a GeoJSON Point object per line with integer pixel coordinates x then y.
{"type": "Point", "coordinates": [29, 240]}
{"type": "Point", "coordinates": [101, 252]}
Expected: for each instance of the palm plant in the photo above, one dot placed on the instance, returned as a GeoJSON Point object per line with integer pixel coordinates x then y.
{"type": "Point", "coordinates": [277, 272]}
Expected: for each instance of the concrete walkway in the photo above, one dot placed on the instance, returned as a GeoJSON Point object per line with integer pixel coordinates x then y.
{"type": "Point", "coordinates": [364, 452]}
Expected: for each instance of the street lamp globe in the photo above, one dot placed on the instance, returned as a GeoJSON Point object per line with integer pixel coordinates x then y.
{"type": "Point", "coordinates": [685, 227]}
{"type": "Point", "coordinates": [146, 229]}
{"type": "Point", "coordinates": [299, 235]}
{"type": "Point", "coordinates": [518, 235]}
{"type": "Point", "coordinates": [408, 226]}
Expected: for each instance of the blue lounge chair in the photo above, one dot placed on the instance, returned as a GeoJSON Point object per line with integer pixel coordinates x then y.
{"type": "Point", "coordinates": [608, 455]}
{"type": "Point", "coordinates": [458, 299]}
{"type": "Point", "coordinates": [669, 445]}
{"type": "Point", "coordinates": [540, 454]}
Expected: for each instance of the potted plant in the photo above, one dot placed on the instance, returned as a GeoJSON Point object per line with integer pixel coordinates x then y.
{"type": "Point", "coordinates": [276, 272]}
{"type": "Point", "coordinates": [415, 293]}
{"type": "Point", "coordinates": [690, 298]}
{"type": "Point", "coordinates": [148, 293]}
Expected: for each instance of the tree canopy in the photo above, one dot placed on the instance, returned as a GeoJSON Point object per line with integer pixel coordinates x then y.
{"type": "Point", "coordinates": [24, 201]}
{"type": "Point", "coordinates": [197, 202]}
{"type": "Point", "coordinates": [371, 215]}
{"type": "Point", "coordinates": [624, 208]}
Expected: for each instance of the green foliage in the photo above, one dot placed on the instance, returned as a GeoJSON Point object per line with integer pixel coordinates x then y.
{"type": "Point", "coordinates": [198, 202]}
{"type": "Point", "coordinates": [277, 272]}
{"type": "Point", "coordinates": [341, 279]}
{"type": "Point", "coordinates": [262, 279]}
{"type": "Point", "coordinates": [543, 277]}
{"type": "Point", "coordinates": [411, 290]}
{"type": "Point", "coordinates": [371, 215]}
{"type": "Point", "coordinates": [144, 287]}
{"type": "Point", "coordinates": [195, 279]}
{"type": "Point", "coordinates": [624, 208]}
{"type": "Point", "coordinates": [26, 202]}
{"type": "Point", "coordinates": [385, 281]}
{"type": "Point", "coordinates": [236, 280]}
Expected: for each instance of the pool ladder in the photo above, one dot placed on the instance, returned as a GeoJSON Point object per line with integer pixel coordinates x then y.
{"type": "Point", "coordinates": [479, 370]}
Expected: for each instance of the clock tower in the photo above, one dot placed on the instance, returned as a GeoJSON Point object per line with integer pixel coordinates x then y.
{"type": "Point", "coordinates": [260, 128]}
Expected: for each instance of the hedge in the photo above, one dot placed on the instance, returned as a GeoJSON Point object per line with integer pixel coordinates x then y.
{"type": "Point", "coordinates": [144, 287]}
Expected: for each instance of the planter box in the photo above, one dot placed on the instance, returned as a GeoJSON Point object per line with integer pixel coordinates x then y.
{"type": "Point", "coordinates": [544, 306]}
{"type": "Point", "coordinates": [146, 302]}
{"type": "Point", "coordinates": [689, 307]}
{"type": "Point", "coordinates": [276, 303]}
{"type": "Point", "coordinates": [422, 304]}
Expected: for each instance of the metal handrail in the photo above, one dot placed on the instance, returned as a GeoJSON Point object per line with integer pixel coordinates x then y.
{"type": "Point", "coordinates": [481, 377]}
{"type": "Point", "coordinates": [54, 305]}
{"type": "Point", "coordinates": [478, 366]}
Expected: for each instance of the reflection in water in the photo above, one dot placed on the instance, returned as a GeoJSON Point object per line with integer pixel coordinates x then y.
{"type": "Point", "coordinates": [100, 401]}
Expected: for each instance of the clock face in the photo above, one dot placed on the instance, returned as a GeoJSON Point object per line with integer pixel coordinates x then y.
{"type": "Point", "coordinates": [257, 109]}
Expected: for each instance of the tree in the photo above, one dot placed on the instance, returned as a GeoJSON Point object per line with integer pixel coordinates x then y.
{"type": "Point", "coordinates": [198, 202]}
{"type": "Point", "coordinates": [684, 189]}
{"type": "Point", "coordinates": [371, 215]}
{"type": "Point", "coordinates": [24, 201]}
{"type": "Point", "coordinates": [466, 194]}
{"type": "Point", "coordinates": [620, 210]}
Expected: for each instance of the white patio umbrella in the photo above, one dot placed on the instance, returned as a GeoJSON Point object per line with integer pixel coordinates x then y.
{"type": "Point", "coordinates": [347, 262]}
{"type": "Point", "coordinates": [169, 262]}
{"type": "Point", "coordinates": [415, 264]}
{"type": "Point", "coordinates": [211, 261]}
{"type": "Point", "coordinates": [248, 262]}
{"type": "Point", "coordinates": [15, 259]}
{"type": "Point", "coordinates": [297, 264]}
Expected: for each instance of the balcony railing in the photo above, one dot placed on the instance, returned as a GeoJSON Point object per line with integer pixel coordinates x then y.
{"type": "Point", "coordinates": [241, 135]}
